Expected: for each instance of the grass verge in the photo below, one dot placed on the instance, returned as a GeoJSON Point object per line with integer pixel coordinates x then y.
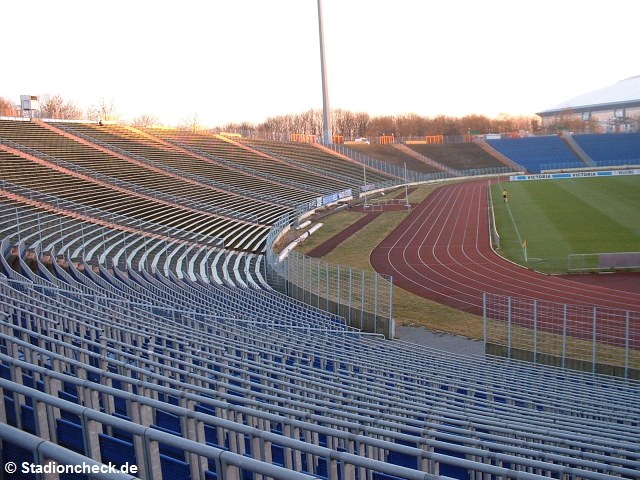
{"type": "Point", "coordinates": [408, 309]}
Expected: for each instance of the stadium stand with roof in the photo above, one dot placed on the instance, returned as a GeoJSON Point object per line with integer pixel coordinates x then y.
{"type": "Point", "coordinates": [136, 328]}
{"type": "Point", "coordinates": [615, 108]}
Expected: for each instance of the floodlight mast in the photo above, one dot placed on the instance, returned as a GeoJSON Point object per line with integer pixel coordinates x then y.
{"type": "Point", "coordinates": [326, 114]}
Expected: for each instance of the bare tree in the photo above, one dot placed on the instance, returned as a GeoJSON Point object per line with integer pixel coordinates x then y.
{"type": "Point", "coordinates": [144, 120]}
{"type": "Point", "coordinates": [104, 110]}
{"type": "Point", "coordinates": [361, 123]}
{"type": "Point", "coordinates": [191, 123]}
{"type": "Point", "coordinates": [566, 120]}
{"type": "Point", "coordinates": [7, 108]}
{"type": "Point", "coordinates": [508, 123]}
{"type": "Point", "coordinates": [410, 124]}
{"type": "Point", "coordinates": [348, 124]}
{"type": "Point", "coordinates": [245, 129]}
{"type": "Point", "coordinates": [475, 124]}
{"type": "Point", "coordinates": [54, 106]}
{"type": "Point", "coordinates": [536, 123]}
{"type": "Point", "coordinates": [383, 125]}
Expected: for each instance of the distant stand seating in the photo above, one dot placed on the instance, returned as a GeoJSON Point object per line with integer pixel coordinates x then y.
{"type": "Point", "coordinates": [611, 149]}
{"type": "Point", "coordinates": [260, 163]}
{"type": "Point", "coordinates": [393, 156]}
{"type": "Point", "coordinates": [318, 159]}
{"type": "Point", "coordinates": [457, 156]}
{"type": "Point", "coordinates": [533, 153]}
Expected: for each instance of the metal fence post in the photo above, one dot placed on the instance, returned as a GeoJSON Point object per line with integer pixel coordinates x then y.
{"type": "Point", "coordinates": [304, 278]}
{"type": "Point", "coordinates": [391, 328]}
{"type": "Point", "coordinates": [338, 293]}
{"type": "Point", "coordinates": [362, 304]}
{"type": "Point", "coordinates": [626, 346]}
{"type": "Point", "coordinates": [311, 282]}
{"type": "Point", "coordinates": [509, 327]}
{"type": "Point", "coordinates": [327, 281]}
{"type": "Point", "coordinates": [317, 279]}
{"type": "Point", "coordinates": [375, 303]}
{"type": "Point", "coordinates": [564, 334]}
{"type": "Point", "coordinates": [535, 331]}
{"type": "Point", "coordinates": [484, 319]}
{"type": "Point", "coordinates": [350, 292]}
{"type": "Point", "coordinates": [593, 351]}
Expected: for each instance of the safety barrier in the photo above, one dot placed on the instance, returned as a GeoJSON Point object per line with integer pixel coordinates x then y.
{"type": "Point", "coordinates": [583, 337]}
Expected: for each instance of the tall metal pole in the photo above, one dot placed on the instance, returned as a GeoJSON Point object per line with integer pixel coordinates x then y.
{"type": "Point", "coordinates": [326, 114]}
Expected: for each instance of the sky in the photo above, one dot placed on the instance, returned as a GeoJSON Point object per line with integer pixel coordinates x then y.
{"type": "Point", "coordinates": [246, 60]}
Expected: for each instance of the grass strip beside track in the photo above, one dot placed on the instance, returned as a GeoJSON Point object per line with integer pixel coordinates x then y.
{"type": "Point", "coordinates": [409, 309]}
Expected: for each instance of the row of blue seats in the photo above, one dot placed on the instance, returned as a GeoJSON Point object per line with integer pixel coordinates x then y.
{"type": "Point", "coordinates": [168, 422]}
{"type": "Point", "coordinates": [611, 148]}
{"type": "Point", "coordinates": [532, 153]}
{"type": "Point", "coordinates": [273, 366]}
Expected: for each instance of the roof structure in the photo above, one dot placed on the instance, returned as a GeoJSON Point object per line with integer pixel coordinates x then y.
{"type": "Point", "coordinates": [624, 93]}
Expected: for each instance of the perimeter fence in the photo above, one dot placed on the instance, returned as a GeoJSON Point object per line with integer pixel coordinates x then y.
{"type": "Point", "coordinates": [363, 298]}
{"type": "Point", "coordinates": [583, 337]}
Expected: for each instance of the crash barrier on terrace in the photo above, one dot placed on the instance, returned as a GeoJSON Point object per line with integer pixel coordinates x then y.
{"type": "Point", "coordinates": [583, 337]}
{"type": "Point", "coordinates": [363, 298]}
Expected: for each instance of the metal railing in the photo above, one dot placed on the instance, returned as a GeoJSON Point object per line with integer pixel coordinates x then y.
{"type": "Point", "coordinates": [364, 299]}
{"type": "Point", "coordinates": [583, 337]}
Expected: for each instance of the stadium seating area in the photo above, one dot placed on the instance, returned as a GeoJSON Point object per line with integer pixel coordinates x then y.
{"type": "Point", "coordinates": [320, 160]}
{"type": "Point", "coordinates": [128, 335]}
{"type": "Point", "coordinates": [134, 144]}
{"type": "Point", "coordinates": [391, 154]}
{"type": "Point", "coordinates": [458, 156]}
{"type": "Point", "coordinates": [611, 149]}
{"type": "Point", "coordinates": [537, 153]}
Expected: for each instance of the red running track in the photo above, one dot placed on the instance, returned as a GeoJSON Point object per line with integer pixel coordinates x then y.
{"type": "Point", "coordinates": [441, 251]}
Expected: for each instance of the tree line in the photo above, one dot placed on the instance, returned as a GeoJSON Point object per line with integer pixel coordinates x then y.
{"type": "Point", "coordinates": [351, 125]}
{"type": "Point", "coordinates": [54, 106]}
{"type": "Point", "coordinates": [345, 123]}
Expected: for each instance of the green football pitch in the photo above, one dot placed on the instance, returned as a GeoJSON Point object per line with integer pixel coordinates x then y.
{"type": "Point", "coordinates": [558, 218]}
